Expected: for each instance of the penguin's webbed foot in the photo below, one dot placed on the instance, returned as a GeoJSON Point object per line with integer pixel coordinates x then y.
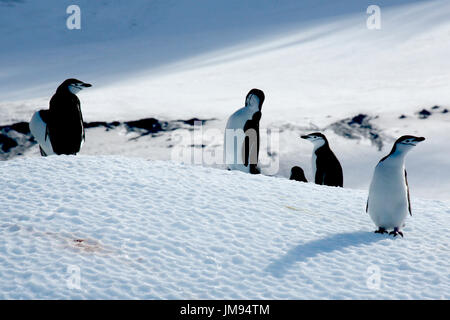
{"type": "Point", "coordinates": [396, 232]}
{"type": "Point", "coordinates": [381, 230]}
{"type": "Point", "coordinates": [254, 169]}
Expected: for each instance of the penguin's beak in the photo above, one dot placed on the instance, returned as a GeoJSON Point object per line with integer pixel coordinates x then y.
{"type": "Point", "coordinates": [419, 139]}
{"type": "Point", "coordinates": [85, 85]}
{"type": "Point", "coordinates": [307, 137]}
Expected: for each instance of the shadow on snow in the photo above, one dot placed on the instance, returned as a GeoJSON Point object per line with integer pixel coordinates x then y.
{"type": "Point", "coordinates": [336, 242]}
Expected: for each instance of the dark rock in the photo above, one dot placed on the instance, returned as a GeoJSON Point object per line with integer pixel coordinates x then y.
{"type": "Point", "coordinates": [152, 125]}
{"type": "Point", "coordinates": [97, 124]}
{"type": "Point", "coordinates": [435, 108]}
{"type": "Point", "coordinates": [358, 127]}
{"type": "Point", "coordinates": [424, 114]}
{"type": "Point", "coordinates": [445, 111]}
{"type": "Point", "coordinates": [21, 127]}
{"type": "Point", "coordinates": [192, 121]}
{"type": "Point", "coordinates": [198, 146]}
{"type": "Point", "coordinates": [7, 143]}
{"type": "Point", "coordinates": [358, 119]}
{"type": "Point", "coordinates": [402, 117]}
{"type": "Point", "coordinates": [16, 138]}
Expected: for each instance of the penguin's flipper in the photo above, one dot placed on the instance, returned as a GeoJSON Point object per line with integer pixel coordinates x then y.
{"type": "Point", "coordinates": [319, 178]}
{"type": "Point", "coordinates": [39, 130]}
{"type": "Point", "coordinates": [250, 147]}
{"type": "Point", "coordinates": [407, 192]}
{"type": "Point", "coordinates": [42, 152]}
{"type": "Point", "coordinates": [252, 158]}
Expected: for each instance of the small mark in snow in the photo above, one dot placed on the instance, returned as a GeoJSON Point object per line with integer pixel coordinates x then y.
{"type": "Point", "coordinates": [14, 228]}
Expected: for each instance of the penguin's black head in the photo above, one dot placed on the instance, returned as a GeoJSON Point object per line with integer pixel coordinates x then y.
{"type": "Point", "coordinates": [73, 85]}
{"type": "Point", "coordinates": [403, 145]}
{"type": "Point", "coordinates": [409, 140]}
{"type": "Point", "coordinates": [316, 136]}
{"type": "Point", "coordinates": [255, 96]}
{"type": "Point", "coordinates": [297, 174]}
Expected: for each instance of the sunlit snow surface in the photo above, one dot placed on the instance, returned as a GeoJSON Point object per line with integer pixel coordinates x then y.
{"type": "Point", "coordinates": [315, 60]}
{"type": "Point", "coordinates": [156, 229]}
{"type": "Point", "coordinates": [160, 230]}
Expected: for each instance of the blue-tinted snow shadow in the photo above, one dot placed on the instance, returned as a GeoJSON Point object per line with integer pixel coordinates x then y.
{"type": "Point", "coordinates": [336, 242]}
{"type": "Point", "coordinates": [146, 36]}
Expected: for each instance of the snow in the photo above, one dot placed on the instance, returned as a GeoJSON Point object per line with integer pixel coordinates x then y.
{"type": "Point", "coordinates": [315, 60]}
{"type": "Point", "coordinates": [357, 69]}
{"type": "Point", "coordinates": [163, 230]}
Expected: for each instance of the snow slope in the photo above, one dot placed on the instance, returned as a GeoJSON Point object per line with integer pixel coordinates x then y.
{"type": "Point", "coordinates": [119, 38]}
{"type": "Point", "coordinates": [161, 230]}
{"type": "Point", "coordinates": [316, 61]}
{"type": "Point", "coordinates": [307, 56]}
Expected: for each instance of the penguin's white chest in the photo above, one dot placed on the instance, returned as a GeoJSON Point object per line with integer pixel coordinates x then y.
{"type": "Point", "coordinates": [235, 138]}
{"type": "Point", "coordinates": [388, 200]}
{"type": "Point", "coordinates": [38, 129]}
{"type": "Point", "coordinates": [314, 165]}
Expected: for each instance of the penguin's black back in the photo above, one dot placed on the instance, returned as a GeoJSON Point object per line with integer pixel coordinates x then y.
{"type": "Point", "coordinates": [65, 122]}
{"type": "Point", "coordinates": [328, 168]}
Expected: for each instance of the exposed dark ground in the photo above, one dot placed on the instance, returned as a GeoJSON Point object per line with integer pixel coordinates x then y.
{"type": "Point", "coordinates": [16, 138]}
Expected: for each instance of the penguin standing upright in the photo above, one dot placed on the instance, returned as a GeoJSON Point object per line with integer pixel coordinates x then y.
{"type": "Point", "coordinates": [326, 167]}
{"type": "Point", "coordinates": [60, 130]}
{"type": "Point", "coordinates": [389, 202]}
{"type": "Point", "coordinates": [241, 145]}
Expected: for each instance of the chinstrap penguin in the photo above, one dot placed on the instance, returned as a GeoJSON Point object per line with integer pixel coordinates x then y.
{"type": "Point", "coordinates": [241, 145]}
{"type": "Point", "coordinates": [298, 174]}
{"type": "Point", "coordinates": [389, 202]}
{"type": "Point", "coordinates": [326, 167]}
{"type": "Point", "coordinates": [60, 130]}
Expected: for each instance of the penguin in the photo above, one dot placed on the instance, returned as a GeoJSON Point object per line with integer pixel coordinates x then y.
{"type": "Point", "coordinates": [241, 145]}
{"type": "Point", "coordinates": [389, 201]}
{"type": "Point", "coordinates": [60, 130]}
{"type": "Point", "coordinates": [297, 174]}
{"type": "Point", "coordinates": [326, 167]}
